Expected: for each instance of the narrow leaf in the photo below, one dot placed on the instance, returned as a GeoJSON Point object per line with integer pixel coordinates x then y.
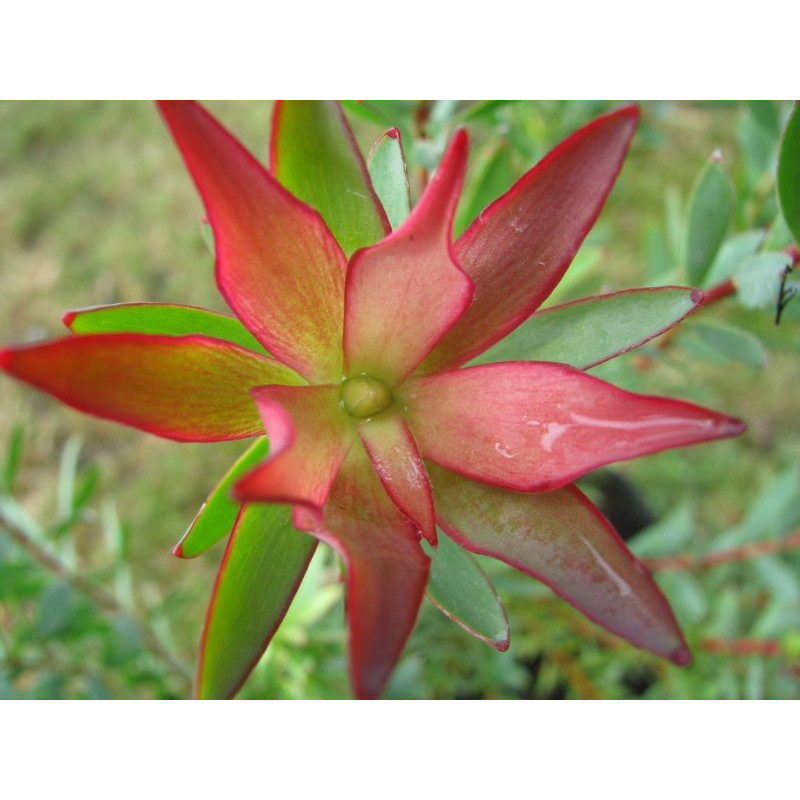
{"type": "Point", "coordinates": [188, 388]}
{"type": "Point", "coordinates": [789, 174]}
{"type": "Point", "coordinates": [387, 168]}
{"type": "Point", "coordinates": [16, 446]}
{"type": "Point", "coordinates": [710, 211]}
{"type": "Point", "coordinates": [732, 255]}
{"type": "Point", "coordinates": [730, 343]}
{"type": "Point", "coordinates": [259, 575]}
{"type": "Point", "coordinates": [561, 539]}
{"type": "Point", "coordinates": [161, 319]}
{"type": "Point", "coordinates": [405, 292]}
{"type": "Point", "coordinates": [277, 264]}
{"type": "Point", "coordinates": [217, 515]}
{"type": "Point", "coordinates": [314, 155]}
{"type": "Point", "coordinates": [536, 426]}
{"type": "Point", "coordinates": [386, 571]}
{"type": "Point", "coordinates": [462, 591]}
{"type": "Point", "coordinates": [588, 332]}
{"type": "Point", "coordinates": [519, 248]}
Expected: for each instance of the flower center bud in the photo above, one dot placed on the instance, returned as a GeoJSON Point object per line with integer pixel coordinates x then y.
{"type": "Point", "coordinates": [364, 397]}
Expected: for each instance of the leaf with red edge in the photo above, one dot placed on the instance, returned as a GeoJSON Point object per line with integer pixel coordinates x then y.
{"type": "Point", "coordinates": [216, 517]}
{"type": "Point", "coordinates": [386, 571]}
{"type": "Point", "coordinates": [588, 332]}
{"type": "Point", "coordinates": [518, 248]}
{"type": "Point", "coordinates": [404, 293]}
{"type": "Point", "coordinates": [462, 591]}
{"type": "Point", "coordinates": [394, 455]}
{"type": "Point", "coordinates": [277, 264]}
{"type": "Point", "coordinates": [314, 155]}
{"type": "Point", "coordinates": [539, 426]}
{"type": "Point", "coordinates": [263, 565]}
{"type": "Point", "coordinates": [387, 167]}
{"type": "Point", "coordinates": [188, 388]}
{"type": "Point", "coordinates": [309, 436]}
{"type": "Point", "coordinates": [161, 319]}
{"type": "Point", "coordinates": [561, 539]}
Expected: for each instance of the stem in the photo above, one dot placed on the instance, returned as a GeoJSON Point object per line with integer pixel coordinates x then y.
{"type": "Point", "coordinates": [718, 292]}
{"type": "Point", "coordinates": [743, 647]}
{"type": "Point", "coordinates": [743, 553]}
{"type": "Point", "coordinates": [97, 594]}
{"type": "Point", "coordinates": [421, 116]}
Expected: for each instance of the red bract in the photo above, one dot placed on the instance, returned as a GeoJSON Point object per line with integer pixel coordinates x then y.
{"type": "Point", "coordinates": [350, 361]}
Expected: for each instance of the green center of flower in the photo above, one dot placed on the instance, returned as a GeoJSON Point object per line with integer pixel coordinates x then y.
{"type": "Point", "coordinates": [364, 396]}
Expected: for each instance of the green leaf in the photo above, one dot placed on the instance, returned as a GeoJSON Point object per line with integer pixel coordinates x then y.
{"type": "Point", "coordinates": [674, 223]}
{"type": "Point", "coordinates": [66, 479]}
{"type": "Point", "coordinates": [217, 515]}
{"type": "Point", "coordinates": [259, 575]}
{"type": "Point", "coordinates": [491, 177]}
{"type": "Point", "coordinates": [56, 609]}
{"type": "Point", "coordinates": [758, 279]}
{"type": "Point", "coordinates": [656, 254]}
{"type": "Point", "coordinates": [483, 109]}
{"type": "Point", "coordinates": [16, 445]}
{"type": "Point", "coordinates": [587, 332]}
{"type": "Point", "coordinates": [161, 319]}
{"type": "Point", "coordinates": [729, 342]}
{"type": "Point", "coordinates": [765, 113]}
{"type": "Point", "coordinates": [710, 211]}
{"type": "Point", "coordinates": [778, 235]}
{"type": "Point", "coordinates": [789, 174]}
{"type": "Point", "coordinates": [387, 168]}
{"type": "Point", "coordinates": [668, 535]}
{"type": "Point", "coordinates": [732, 255]}
{"type": "Point", "coordinates": [462, 591]}
{"type": "Point", "coordinates": [315, 156]}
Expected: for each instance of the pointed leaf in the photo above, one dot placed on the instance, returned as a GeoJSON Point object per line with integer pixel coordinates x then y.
{"type": "Point", "coordinates": [404, 293]}
{"type": "Point", "coordinates": [161, 319]}
{"type": "Point", "coordinates": [710, 212]}
{"type": "Point", "coordinates": [588, 332]}
{"type": "Point", "coordinates": [386, 571]}
{"type": "Point", "coordinates": [218, 514]}
{"type": "Point", "coordinates": [561, 539]}
{"type": "Point", "coordinates": [789, 174]}
{"type": "Point", "coordinates": [188, 388]}
{"type": "Point", "coordinates": [517, 250]}
{"type": "Point", "coordinates": [314, 155]}
{"type": "Point", "coordinates": [262, 567]}
{"type": "Point", "coordinates": [538, 426]}
{"type": "Point", "coordinates": [309, 438]}
{"type": "Point", "coordinates": [397, 462]}
{"type": "Point", "coordinates": [277, 264]}
{"type": "Point", "coordinates": [387, 168]}
{"type": "Point", "coordinates": [462, 591]}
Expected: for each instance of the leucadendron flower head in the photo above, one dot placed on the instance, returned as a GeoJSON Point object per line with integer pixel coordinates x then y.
{"type": "Point", "coordinates": [366, 362]}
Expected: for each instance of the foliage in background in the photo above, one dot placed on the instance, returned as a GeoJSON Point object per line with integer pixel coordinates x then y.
{"type": "Point", "coordinates": [722, 226]}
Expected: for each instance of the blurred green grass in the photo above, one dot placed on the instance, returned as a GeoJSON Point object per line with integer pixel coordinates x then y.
{"type": "Point", "coordinates": [96, 207]}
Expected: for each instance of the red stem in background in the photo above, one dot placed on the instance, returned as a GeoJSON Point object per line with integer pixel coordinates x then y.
{"type": "Point", "coordinates": [743, 553]}
{"type": "Point", "coordinates": [742, 647]}
{"type": "Point", "coordinates": [718, 292]}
